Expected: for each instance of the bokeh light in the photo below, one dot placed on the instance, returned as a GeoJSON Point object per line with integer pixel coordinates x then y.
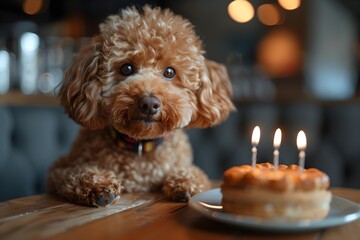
{"type": "Point", "coordinates": [241, 11]}
{"type": "Point", "coordinates": [280, 54]}
{"type": "Point", "coordinates": [290, 4]}
{"type": "Point", "coordinates": [32, 7]}
{"type": "Point", "coordinates": [269, 14]}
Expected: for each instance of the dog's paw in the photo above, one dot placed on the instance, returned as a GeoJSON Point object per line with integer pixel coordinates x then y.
{"type": "Point", "coordinates": [183, 184]}
{"type": "Point", "coordinates": [103, 198]}
{"type": "Point", "coordinates": [178, 193]}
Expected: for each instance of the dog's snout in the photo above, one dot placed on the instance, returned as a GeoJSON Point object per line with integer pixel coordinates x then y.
{"type": "Point", "coordinates": [149, 105]}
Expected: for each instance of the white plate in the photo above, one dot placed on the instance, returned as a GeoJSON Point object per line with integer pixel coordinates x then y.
{"type": "Point", "coordinates": [208, 203]}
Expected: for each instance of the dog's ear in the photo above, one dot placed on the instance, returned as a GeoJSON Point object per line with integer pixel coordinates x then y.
{"type": "Point", "coordinates": [80, 92]}
{"type": "Point", "coordinates": [214, 96]}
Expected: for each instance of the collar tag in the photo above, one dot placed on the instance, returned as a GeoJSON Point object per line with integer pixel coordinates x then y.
{"type": "Point", "coordinates": [140, 150]}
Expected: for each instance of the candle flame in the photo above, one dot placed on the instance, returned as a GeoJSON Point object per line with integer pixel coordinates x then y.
{"type": "Point", "coordinates": [277, 138]}
{"type": "Point", "coordinates": [255, 138]}
{"type": "Point", "coordinates": [301, 140]}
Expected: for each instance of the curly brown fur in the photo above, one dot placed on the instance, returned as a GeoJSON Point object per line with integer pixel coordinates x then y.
{"type": "Point", "coordinates": [99, 96]}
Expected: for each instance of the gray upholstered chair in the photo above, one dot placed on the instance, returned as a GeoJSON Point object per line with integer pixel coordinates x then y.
{"type": "Point", "coordinates": [31, 138]}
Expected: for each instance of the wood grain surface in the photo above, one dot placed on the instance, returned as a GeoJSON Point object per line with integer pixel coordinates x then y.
{"type": "Point", "coordinates": [138, 216]}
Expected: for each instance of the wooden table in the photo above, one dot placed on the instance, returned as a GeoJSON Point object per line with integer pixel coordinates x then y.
{"type": "Point", "coordinates": [138, 216]}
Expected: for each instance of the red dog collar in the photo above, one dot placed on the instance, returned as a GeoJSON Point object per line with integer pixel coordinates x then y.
{"type": "Point", "coordinates": [134, 145]}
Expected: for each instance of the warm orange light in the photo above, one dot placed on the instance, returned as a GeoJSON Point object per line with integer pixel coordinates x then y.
{"type": "Point", "coordinates": [269, 14]}
{"type": "Point", "coordinates": [279, 53]}
{"type": "Point", "coordinates": [241, 11]}
{"type": "Point", "coordinates": [290, 4]}
{"type": "Point", "coordinates": [32, 7]}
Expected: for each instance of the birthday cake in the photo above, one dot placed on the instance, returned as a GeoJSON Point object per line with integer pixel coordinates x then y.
{"type": "Point", "coordinates": [285, 194]}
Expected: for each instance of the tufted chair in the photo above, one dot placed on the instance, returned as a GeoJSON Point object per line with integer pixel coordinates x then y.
{"type": "Point", "coordinates": [31, 138]}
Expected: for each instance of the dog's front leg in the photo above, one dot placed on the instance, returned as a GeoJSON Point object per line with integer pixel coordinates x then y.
{"type": "Point", "coordinates": [182, 184]}
{"type": "Point", "coordinates": [85, 185]}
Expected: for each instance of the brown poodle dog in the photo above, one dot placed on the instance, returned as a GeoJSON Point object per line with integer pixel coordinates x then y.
{"type": "Point", "coordinates": [140, 81]}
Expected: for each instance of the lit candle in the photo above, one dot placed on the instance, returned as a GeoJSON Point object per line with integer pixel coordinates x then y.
{"type": "Point", "coordinates": [255, 138]}
{"type": "Point", "coordinates": [301, 144]}
{"type": "Point", "coordinates": [277, 142]}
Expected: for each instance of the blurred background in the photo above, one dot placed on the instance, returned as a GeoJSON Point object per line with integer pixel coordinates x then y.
{"type": "Point", "coordinates": [293, 65]}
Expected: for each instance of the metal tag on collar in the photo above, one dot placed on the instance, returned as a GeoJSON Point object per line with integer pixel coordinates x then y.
{"type": "Point", "coordinates": [140, 149]}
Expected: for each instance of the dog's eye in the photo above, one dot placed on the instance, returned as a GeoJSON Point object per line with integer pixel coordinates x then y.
{"type": "Point", "coordinates": [126, 69]}
{"type": "Point", "coordinates": [169, 73]}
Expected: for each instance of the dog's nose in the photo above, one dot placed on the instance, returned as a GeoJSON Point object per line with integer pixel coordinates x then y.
{"type": "Point", "coordinates": [149, 105]}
